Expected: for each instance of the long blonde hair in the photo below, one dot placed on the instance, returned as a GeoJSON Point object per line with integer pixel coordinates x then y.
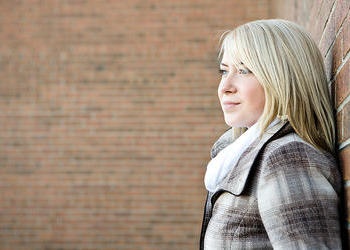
{"type": "Point", "coordinates": [289, 66]}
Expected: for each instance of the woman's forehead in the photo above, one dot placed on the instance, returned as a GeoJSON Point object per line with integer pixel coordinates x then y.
{"type": "Point", "coordinates": [229, 58]}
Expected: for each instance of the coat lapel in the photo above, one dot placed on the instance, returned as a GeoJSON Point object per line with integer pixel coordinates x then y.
{"type": "Point", "coordinates": [236, 180]}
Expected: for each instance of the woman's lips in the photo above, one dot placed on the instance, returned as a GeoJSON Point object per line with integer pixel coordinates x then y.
{"type": "Point", "coordinates": [227, 105]}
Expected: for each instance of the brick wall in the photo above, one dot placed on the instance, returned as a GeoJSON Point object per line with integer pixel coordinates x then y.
{"type": "Point", "coordinates": [329, 23]}
{"type": "Point", "coordinates": [108, 110]}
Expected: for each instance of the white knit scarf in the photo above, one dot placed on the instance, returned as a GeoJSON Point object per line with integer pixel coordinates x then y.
{"type": "Point", "coordinates": [227, 158]}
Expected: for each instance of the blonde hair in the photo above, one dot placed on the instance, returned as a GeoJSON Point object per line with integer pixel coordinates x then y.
{"type": "Point", "coordinates": [288, 64]}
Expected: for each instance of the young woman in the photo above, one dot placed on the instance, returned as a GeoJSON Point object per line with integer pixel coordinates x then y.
{"type": "Point", "coordinates": [276, 185]}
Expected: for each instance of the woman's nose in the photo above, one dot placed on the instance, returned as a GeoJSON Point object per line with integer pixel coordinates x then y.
{"type": "Point", "coordinates": [227, 85]}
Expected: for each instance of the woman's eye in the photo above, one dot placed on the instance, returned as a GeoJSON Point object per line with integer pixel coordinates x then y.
{"type": "Point", "coordinates": [244, 71]}
{"type": "Point", "coordinates": [223, 72]}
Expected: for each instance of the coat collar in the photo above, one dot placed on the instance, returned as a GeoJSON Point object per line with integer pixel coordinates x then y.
{"type": "Point", "coordinates": [236, 180]}
{"type": "Point", "coordinates": [224, 140]}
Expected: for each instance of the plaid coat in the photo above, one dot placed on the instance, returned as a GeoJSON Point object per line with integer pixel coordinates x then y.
{"type": "Point", "coordinates": [282, 194]}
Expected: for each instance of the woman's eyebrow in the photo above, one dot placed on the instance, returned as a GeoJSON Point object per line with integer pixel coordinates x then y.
{"type": "Point", "coordinates": [223, 64]}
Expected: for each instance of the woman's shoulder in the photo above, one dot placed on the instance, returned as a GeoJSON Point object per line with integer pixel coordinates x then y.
{"type": "Point", "coordinates": [294, 146]}
{"type": "Point", "coordinates": [290, 155]}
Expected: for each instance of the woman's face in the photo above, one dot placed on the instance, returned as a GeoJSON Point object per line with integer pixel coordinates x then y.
{"type": "Point", "coordinates": [242, 97]}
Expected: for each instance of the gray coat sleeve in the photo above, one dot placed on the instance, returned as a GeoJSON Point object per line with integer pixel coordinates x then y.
{"type": "Point", "coordinates": [298, 197]}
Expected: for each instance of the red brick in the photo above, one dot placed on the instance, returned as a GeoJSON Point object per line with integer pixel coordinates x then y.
{"type": "Point", "coordinates": [339, 118]}
{"type": "Point", "coordinates": [346, 36]}
{"type": "Point", "coordinates": [109, 110]}
{"type": "Point", "coordinates": [347, 204]}
{"type": "Point", "coordinates": [343, 121]}
{"type": "Point", "coordinates": [344, 159]}
{"type": "Point", "coordinates": [314, 27]}
{"type": "Point", "coordinates": [342, 83]}
{"type": "Point", "coordinates": [346, 121]}
{"type": "Point", "coordinates": [329, 32]}
{"type": "Point", "coordinates": [341, 11]}
{"type": "Point", "coordinates": [337, 53]}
